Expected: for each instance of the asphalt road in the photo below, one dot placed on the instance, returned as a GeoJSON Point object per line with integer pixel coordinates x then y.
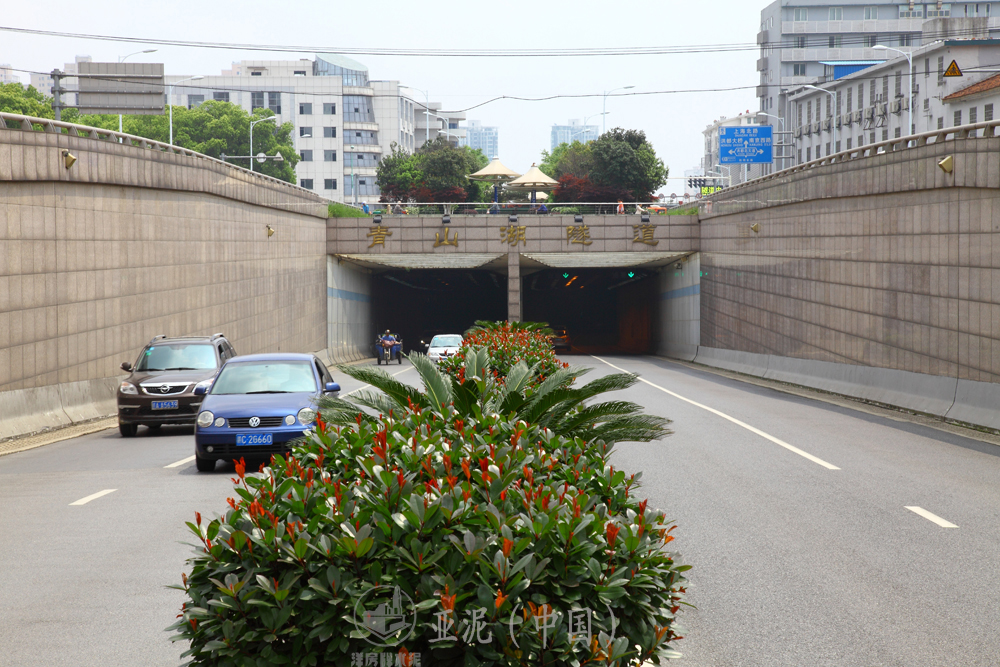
{"type": "Point", "coordinates": [793, 513]}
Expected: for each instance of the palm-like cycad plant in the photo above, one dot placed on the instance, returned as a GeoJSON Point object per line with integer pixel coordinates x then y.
{"type": "Point", "coordinates": [554, 403]}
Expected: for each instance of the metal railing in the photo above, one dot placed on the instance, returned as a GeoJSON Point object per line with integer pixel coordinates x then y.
{"type": "Point", "coordinates": [389, 209]}
{"type": "Point", "coordinates": [989, 129]}
{"type": "Point", "coordinates": [28, 123]}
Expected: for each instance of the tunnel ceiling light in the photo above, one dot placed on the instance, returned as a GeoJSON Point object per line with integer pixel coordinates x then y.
{"type": "Point", "coordinates": [445, 219]}
{"type": "Point", "coordinates": [644, 217]}
{"type": "Point", "coordinates": [512, 218]}
{"type": "Point", "coordinates": [377, 219]}
{"type": "Point", "coordinates": [577, 218]}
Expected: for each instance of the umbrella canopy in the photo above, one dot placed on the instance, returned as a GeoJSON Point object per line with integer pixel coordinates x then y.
{"type": "Point", "coordinates": [494, 172]}
{"type": "Point", "coordinates": [535, 179]}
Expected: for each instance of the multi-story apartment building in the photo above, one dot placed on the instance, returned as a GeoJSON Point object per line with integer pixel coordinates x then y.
{"type": "Point", "coordinates": [574, 131]}
{"type": "Point", "coordinates": [432, 123]}
{"type": "Point", "coordinates": [735, 173]}
{"type": "Point", "coordinates": [485, 138]}
{"type": "Point", "coordinates": [344, 121]}
{"type": "Point", "coordinates": [874, 104]}
{"type": "Point", "coordinates": [7, 74]}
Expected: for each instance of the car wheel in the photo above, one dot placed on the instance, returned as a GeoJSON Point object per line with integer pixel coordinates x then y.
{"type": "Point", "coordinates": [154, 427]}
{"type": "Point", "coordinates": [128, 430]}
{"type": "Point", "coordinates": [204, 465]}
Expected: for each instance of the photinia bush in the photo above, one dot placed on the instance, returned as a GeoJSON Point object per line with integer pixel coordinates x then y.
{"type": "Point", "coordinates": [508, 343]}
{"type": "Point", "coordinates": [497, 532]}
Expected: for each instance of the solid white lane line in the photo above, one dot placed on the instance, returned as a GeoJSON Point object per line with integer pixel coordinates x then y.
{"type": "Point", "coordinates": [93, 496]}
{"type": "Point", "coordinates": [180, 463]}
{"type": "Point", "coordinates": [776, 441]}
{"type": "Point", "coordinates": [930, 517]}
{"type": "Point", "coordinates": [408, 368]}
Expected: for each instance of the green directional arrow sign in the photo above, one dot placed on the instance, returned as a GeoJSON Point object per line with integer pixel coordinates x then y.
{"type": "Point", "coordinates": [631, 274]}
{"type": "Point", "coordinates": [565, 275]}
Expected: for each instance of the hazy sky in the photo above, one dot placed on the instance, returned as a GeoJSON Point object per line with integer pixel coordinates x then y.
{"type": "Point", "coordinates": [672, 122]}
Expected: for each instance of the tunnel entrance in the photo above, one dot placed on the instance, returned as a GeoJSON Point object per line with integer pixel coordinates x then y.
{"type": "Point", "coordinates": [421, 303]}
{"type": "Point", "coordinates": [602, 310]}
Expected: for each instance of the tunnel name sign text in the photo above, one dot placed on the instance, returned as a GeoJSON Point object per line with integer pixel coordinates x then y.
{"type": "Point", "coordinates": [746, 145]}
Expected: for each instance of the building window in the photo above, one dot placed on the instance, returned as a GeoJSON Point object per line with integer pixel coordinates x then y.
{"type": "Point", "coordinates": [988, 113]}
{"type": "Point", "coordinates": [958, 118]}
{"type": "Point", "coordinates": [256, 73]}
{"type": "Point", "coordinates": [940, 70]}
{"type": "Point", "coordinates": [871, 138]}
{"type": "Point", "coordinates": [861, 96]}
{"type": "Point", "coordinates": [358, 109]}
{"type": "Point", "coordinates": [809, 153]}
{"type": "Point", "coordinates": [870, 41]}
{"type": "Point", "coordinates": [809, 112]}
{"type": "Point", "coordinates": [899, 83]}
{"type": "Point", "coordinates": [835, 41]}
{"type": "Point", "coordinates": [256, 100]}
{"type": "Point", "coordinates": [940, 123]}
{"type": "Point", "coordinates": [274, 102]}
{"type": "Point", "coordinates": [836, 14]}
{"type": "Point", "coordinates": [306, 183]}
{"type": "Point", "coordinates": [905, 40]}
{"type": "Point", "coordinates": [306, 108]}
{"type": "Point", "coordinates": [220, 97]}
{"type": "Point", "coordinates": [799, 69]}
{"type": "Point", "coordinates": [850, 94]}
{"type": "Point", "coordinates": [307, 156]}
{"type": "Point", "coordinates": [871, 14]}
{"type": "Point", "coordinates": [848, 143]}
{"type": "Point", "coordinates": [827, 150]}
{"type": "Point", "coordinates": [885, 88]}
{"type": "Point", "coordinates": [305, 132]}
{"type": "Point", "coordinates": [800, 42]}
{"type": "Point", "coordinates": [329, 108]}
{"type": "Point", "coordinates": [927, 67]}
{"type": "Point", "coordinates": [973, 116]}
{"type": "Point", "coordinates": [896, 134]}
{"type": "Point", "coordinates": [329, 183]}
{"type": "Point", "coordinates": [195, 100]}
{"type": "Point", "coordinates": [329, 133]}
{"type": "Point", "coordinates": [801, 14]}
{"type": "Point", "coordinates": [885, 134]}
{"type": "Point", "coordinates": [299, 72]}
{"type": "Point", "coordinates": [800, 156]}
{"type": "Point", "coordinates": [329, 156]}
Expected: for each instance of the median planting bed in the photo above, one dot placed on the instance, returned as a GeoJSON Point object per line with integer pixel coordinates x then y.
{"type": "Point", "coordinates": [478, 521]}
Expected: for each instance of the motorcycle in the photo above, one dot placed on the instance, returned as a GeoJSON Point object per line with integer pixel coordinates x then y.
{"type": "Point", "coordinates": [386, 351]}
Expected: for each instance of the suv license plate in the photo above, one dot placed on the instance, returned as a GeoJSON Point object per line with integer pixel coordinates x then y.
{"type": "Point", "coordinates": [164, 405]}
{"type": "Point", "coordinates": [254, 439]}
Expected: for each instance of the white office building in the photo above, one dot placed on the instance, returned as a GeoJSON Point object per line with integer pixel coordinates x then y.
{"type": "Point", "coordinates": [485, 138]}
{"type": "Point", "coordinates": [576, 130]}
{"type": "Point", "coordinates": [7, 74]}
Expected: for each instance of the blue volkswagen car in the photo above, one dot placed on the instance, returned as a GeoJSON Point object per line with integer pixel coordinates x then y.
{"type": "Point", "coordinates": [258, 403]}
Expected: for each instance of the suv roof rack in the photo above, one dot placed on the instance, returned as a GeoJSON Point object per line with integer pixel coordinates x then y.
{"type": "Point", "coordinates": [157, 337]}
{"type": "Point", "coordinates": [218, 335]}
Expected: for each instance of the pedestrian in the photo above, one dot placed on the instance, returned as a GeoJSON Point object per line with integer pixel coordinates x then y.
{"type": "Point", "coordinates": [621, 207]}
{"type": "Point", "coordinates": [639, 209]}
{"type": "Point", "coordinates": [364, 207]}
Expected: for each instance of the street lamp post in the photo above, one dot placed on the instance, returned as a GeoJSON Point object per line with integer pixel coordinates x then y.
{"type": "Point", "coordinates": [427, 111]}
{"type": "Point", "coordinates": [586, 118]}
{"type": "Point", "coordinates": [833, 104]}
{"type": "Point", "coordinates": [604, 109]}
{"type": "Point", "coordinates": [252, 123]}
{"type": "Point", "coordinates": [909, 80]}
{"type": "Point", "coordinates": [170, 93]}
{"type": "Point", "coordinates": [121, 59]}
{"type": "Point", "coordinates": [761, 113]}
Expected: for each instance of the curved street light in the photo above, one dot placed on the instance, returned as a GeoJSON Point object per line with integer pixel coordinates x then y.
{"type": "Point", "coordinates": [170, 93]}
{"type": "Point", "coordinates": [121, 59]}
{"type": "Point", "coordinates": [604, 110]}
{"type": "Point", "coordinates": [909, 59]}
{"type": "Point", "coordinates": [252, 123]}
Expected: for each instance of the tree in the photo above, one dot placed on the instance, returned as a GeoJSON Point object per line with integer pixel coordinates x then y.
{"type": "Point", "coordinates": [576, 159]}
{"type": "Point", "coordinates": [624, 159]}
{"type": "Point", "coordinates": [15, 98]}
{"type": "Point", "coordinates": [435, 173]}
{"type": "Point", "coordinates": [212, 128]}
{"type": "Point", "coordinates": [397, 174]}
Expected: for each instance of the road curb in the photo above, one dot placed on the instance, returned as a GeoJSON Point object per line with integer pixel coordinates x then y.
{"type": "Point", "coordinates": [50, 436]}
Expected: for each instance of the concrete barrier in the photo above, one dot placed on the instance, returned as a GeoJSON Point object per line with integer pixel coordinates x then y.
{"type": "Point", "coordinates": [977, 403]}
{"type": "Point", "coordinates": [25, 411]}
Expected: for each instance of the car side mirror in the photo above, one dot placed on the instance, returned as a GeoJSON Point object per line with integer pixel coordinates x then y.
{"type": "Point", "coordinates": [332, 387]}
{"type": "Point", "coordinates": [200, 390]}
{"type": "Point", "coordinates": [127, 367]}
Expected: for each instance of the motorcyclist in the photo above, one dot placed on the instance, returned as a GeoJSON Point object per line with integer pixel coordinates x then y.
{"type": "Point", "coordinates": [389, 341]}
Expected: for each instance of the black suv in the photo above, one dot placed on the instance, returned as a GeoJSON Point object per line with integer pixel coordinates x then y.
{"type": "Point", "coordinates": [160, 387]}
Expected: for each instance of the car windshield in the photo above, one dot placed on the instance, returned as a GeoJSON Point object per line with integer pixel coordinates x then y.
{"type": "Point", "coordinates": [265, 377]}
{"type": "Point", "coordinates": [446, 341]}
{"type": "Point", "coordinates": [178, 357]}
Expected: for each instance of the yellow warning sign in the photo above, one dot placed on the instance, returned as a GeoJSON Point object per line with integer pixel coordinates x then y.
{"type": "Point", "coordinates": [953, 70]}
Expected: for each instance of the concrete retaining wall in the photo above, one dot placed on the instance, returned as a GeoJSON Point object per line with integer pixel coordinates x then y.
{"type": "Point", "coordinates": [350, 329]}
{"type": "Point", "coordinates": [680, 309]}
{"type": "Point", "coordinates": [129, 243]}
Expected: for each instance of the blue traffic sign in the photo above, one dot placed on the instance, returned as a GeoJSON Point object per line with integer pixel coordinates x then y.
{"type": "Point", "coordinates": [746, 145]}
